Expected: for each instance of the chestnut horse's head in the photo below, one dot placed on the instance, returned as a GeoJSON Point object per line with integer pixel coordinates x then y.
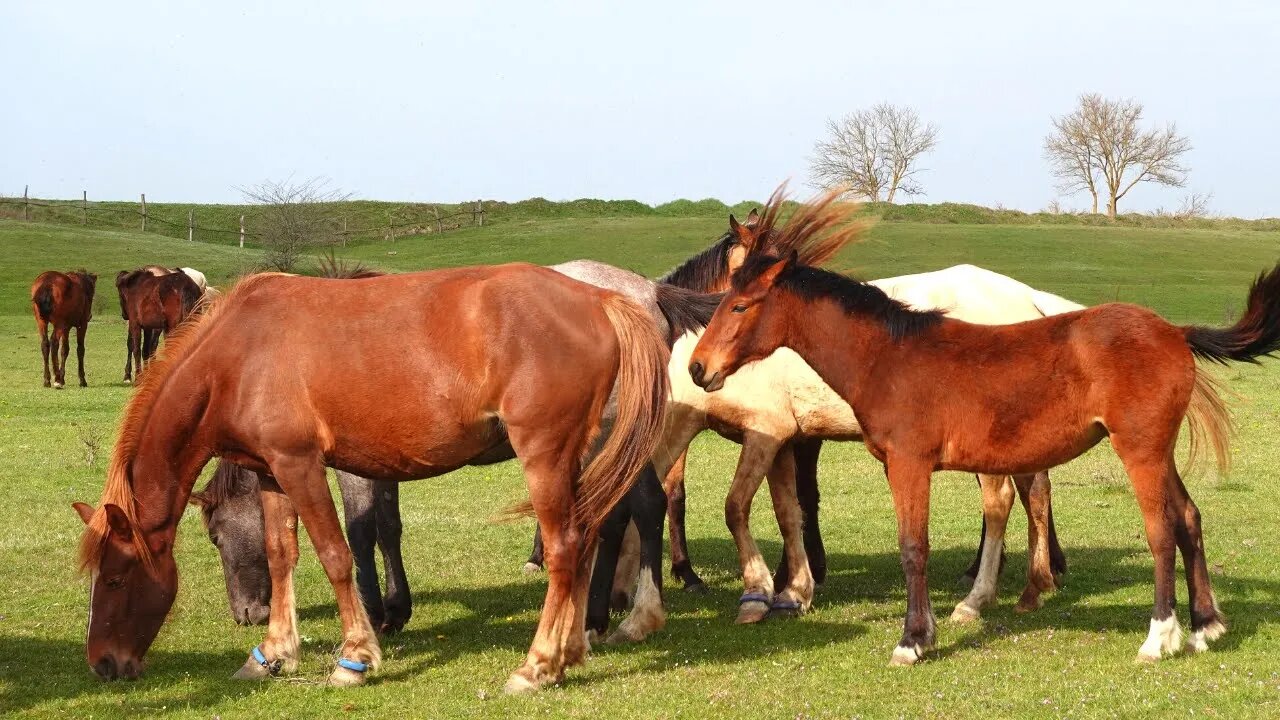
{"type": "Point", "coordinates": [232, 512]}
{"type": "Point", "coordinates": [749, 324]}
{"type": "Point", "coordinates": [744, 239]}
{"type": "Point", "coordinates": [133, 583]}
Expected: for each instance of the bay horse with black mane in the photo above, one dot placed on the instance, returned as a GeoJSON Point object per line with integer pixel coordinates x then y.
{"type": "Point", "coordinates": [455, 367]}
{"type": "Point", "coordinates": [933, 393]}
{"type": "Point", "coordinates": [64, 300]}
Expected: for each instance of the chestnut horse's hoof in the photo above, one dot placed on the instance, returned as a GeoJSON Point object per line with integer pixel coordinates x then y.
{"type": "Point", "coordinates": [752, 608]}
{"type": "Point", "coordinates": [906, 656]}
{"type": "Point", "coordinates": [526, 680]}
{"type": "Point", "coordinates": [965, 614]}
{"type": "Point", "coordinates": [345, 677]}
{"type": "Point", "coordinates": [252, 670]}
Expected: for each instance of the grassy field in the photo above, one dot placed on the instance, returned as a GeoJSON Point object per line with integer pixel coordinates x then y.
{"type": "Point", "coordinates": [475, 611]}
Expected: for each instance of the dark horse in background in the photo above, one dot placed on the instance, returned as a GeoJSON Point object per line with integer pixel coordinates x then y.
{"type": "Point", "coordinates": [64, 300]}
{"type": "Point", "coordinates": [154, 304]}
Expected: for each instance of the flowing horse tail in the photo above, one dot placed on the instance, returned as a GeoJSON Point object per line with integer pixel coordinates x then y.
{"type": "Point", "coordinates": [641, 389]}
{"type": "Point", "coordinates": [1255, 334]}
{"type": "Point", "coordinates": [43, 299]}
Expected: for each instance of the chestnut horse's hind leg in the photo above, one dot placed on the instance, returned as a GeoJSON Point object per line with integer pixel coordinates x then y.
{"type": "Point", "coordinates": [278, 653]}
{"type": "Point", "coordinates": [42, 327]}
{"type": "Point", "coordinates": [80, 331]}
{"type": "Point", "coordinates": [1034, 490]}
{"type": "Point", "coordinates": [909, 481]}
{"type": "Point", "coordinates": [796, 597]}
{"type": "Point", "coordinates": [997, 500]}
{"type": "Point", "coordinates": [758, 451]}
{"type": "Point", "coordinates": [62, 346]}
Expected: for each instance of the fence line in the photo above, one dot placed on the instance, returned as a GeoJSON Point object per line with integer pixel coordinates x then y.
{"type": "Point", "coordinates": [420, 226]}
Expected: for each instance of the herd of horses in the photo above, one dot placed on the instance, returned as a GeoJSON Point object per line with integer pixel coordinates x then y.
{"type": "Point", "coordinates": [597, 379]}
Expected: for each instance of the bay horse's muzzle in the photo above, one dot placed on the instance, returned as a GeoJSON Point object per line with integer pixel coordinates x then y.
{"type": "Point", "coordinates": [698, 373]}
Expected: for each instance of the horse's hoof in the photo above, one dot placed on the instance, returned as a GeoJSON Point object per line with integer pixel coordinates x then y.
{"type": "Point", "coordinates": [251, 670]}
{"type": "Point", "coordinates": [785, 610]}
{"type": "Point", "coordinates": [46, 383]}
{"type": "Point", "coordinates": [752, 611]}
{"type": "Point", "coordinates": [391, 627]}
{"type": "Point", "coordinates": [530, 569]}
{"type": "Point", "coordinates": [518, 684]}
{"type": "Point", "coordinates": [965, 614]}
{"type": "Point", "coordinates": [905, 656]}
{"type": "Point", "coordinates": [593, 638]}
{"type": "Point", "coordinates": [697, 588]}
{"type": "Point", "coordinates": [1026, 606]}
{"type": "Point", "coordinates": [344, 677]}
{"type": "Point", "coordinates": [57, 386]}
{"type": "Point", "coordinates": [625, 635]}
{"type": "Point", "coordinates": [967, 580]}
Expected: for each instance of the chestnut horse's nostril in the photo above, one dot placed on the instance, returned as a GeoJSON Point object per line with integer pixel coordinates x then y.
{"type": "Point", "coordinates": [106, 667]}
{"type": "Point", "coordinates": [696, 372]}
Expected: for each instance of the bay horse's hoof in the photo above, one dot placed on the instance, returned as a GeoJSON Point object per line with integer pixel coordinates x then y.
{"type": "Point", "coordinates": [906, 656]}
{"type": "Point", "coordinates": [752, 608]}
{"type": "Point", "coordinates": [1198, 641]}
{"type": "Point", "coordinates": [965, 614]}
{"type": "Point", "coordinates": [531, 568]}
{"type": "Point", "coordinates": [57, 386]}
{"type": "Point", "coordinates": [697, 588]}
{"type": "Point", "coordinates": [46, 383]}
{"type": "Point", "coordinates": [343, 677]}
{"type": "Point", "coordinates": [1164, 639]}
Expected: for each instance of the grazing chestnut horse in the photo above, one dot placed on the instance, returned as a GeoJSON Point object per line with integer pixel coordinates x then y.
{"type": "Point", "coordinates": [64, 300]}
{"type": "Point", "coordinates": [933, 393]}
{"type": "Point", "coordinates": [153, 304]}
{"type": "Point", "coordinates": [455, 366]}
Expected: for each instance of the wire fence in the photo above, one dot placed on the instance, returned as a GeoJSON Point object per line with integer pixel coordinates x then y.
{"type": "Point", "coordinates": [414, 219]}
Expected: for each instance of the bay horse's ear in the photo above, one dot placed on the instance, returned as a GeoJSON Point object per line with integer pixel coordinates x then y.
{"type": "Point", "coordinates": [734, 226]}
{"type": "Point", "coordinates": [84, 510]}
{"type": "Point", "coordinates": [753, 218]}
{"type": "Point", "coordinates": [118, 522]}
{"type": "Point", "coordinates": [770, 275]}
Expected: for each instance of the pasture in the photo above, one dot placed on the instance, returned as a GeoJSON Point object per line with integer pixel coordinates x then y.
{"type": "Point", "coordinates": [474, 611]}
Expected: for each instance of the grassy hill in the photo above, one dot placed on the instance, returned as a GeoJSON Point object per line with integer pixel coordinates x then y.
{"type": "Point", "coordinates": [475, 612]}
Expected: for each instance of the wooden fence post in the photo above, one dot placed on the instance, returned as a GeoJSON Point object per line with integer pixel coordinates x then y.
{"type": "Point", "coordinates": [191, 224]}
{"type": "Point", "coordinates": [26, 204]}
{"type": "Point", "coordinates": [344, 231]}
{"type": "Point", "coordinates": [480, 204]}
{"type": "Point", "coordinates": [241, 231]}
{"type": "Point", "coordinates": [144, 212]}
{"type": "Point", "coordinates": [84, 207]}
{"type": "Point", "coordinates": [435, 210]}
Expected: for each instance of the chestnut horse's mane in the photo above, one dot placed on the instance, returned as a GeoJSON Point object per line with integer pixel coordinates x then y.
{"type": "Point", "coordinates": [118, 489]}
{"type": "Point", "coordinates": [817, 231]}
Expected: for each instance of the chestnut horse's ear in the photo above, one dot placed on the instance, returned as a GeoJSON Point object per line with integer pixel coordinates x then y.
{"type": "Point", "coordinates": [84, 510]}
{"type": "Point", "coordinates": [753, 219]}
{"type": "Point", "coordinates": [118, 522]}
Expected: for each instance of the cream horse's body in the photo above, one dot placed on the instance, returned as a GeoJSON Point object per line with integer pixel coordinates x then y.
{"type": "Point", "coordinates": [767, 404]}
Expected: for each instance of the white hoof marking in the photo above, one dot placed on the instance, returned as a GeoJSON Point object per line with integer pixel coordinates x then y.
{"type": "Point", "coordinates": [1164, 639]}
{"type": "Point", "coordinates": [906, 656]}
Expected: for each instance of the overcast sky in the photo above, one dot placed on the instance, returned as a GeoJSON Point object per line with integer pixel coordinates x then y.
{"type": "Point", "coordinates": [652, 100]}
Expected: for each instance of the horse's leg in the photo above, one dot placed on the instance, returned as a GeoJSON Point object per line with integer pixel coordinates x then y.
{"type": "Point", "coordinates": [997, 500]}
{"type": "Point", "coordinates": [138, 343]}
{"type": "Point", "coordinates": [537, 555]}
{"type": "Point", "coordinates": [80, 331]}
{"type": "Point", "coordinates": [648, 615]}
{"type": "Point", "coordinates": [599, 597]}
{"type": "Point", "coordinates": [362, 533]}
{"type": "Point", "coordinates": [130, 337]}
{"type": "Point", "coordinates": [1034, 491]}
{"type": "Point", "coordinates": [1148, 471]}
{"type": "Point", "coordinates": [42, 327]}
{"type": "Point", "coordinates": [758, 451]}
{"type": "Point", "coordinates": [1057, 558]}
{"type": "Point", "coordinates": [797, 595]}
{"type": "Point", "coordinates": [1207, 622]}
{"type": "Point", "coordinates": [971, 574]}
{"type": "Point", "coordinates": [551, 460]}
{"type": "Point", "coordinates": [398, 600]}
{"type": "Point", "coordinates": [909, 481]}
{"type": "Point", "coordinates": [62, 344]}
{"type": "Point", "coordinates": [627, 568]}
{"type": "Point", "coordinates": [280, 525]}
{"type": "Point", "coordinates": [681, 566]}
{"type": "Point", "coordinates": [806, 455]}
{"type": "Point", "coordinates": [303, 478]}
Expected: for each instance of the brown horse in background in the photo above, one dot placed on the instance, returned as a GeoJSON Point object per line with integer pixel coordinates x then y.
{"type": "Point", "coordinates": [933, 393]}
{"type": "Point", "coordinates": [153, 304]}
{"type": "Point", "coordinates": [66, 301]}
{"type": "Point", "coordinates": [454, 367]}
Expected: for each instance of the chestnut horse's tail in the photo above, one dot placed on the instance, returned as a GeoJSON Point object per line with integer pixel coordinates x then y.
{"type": "Point", "coordinates": [43, 299]}
{"type": "Point", "coordinates": [1255, 334]}
{"type": "Point", "coordinates": [641, 388]}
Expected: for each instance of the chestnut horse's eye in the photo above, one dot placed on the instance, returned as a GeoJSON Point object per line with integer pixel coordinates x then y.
{"type": "Point", "coordinates": [739, 308]}
{"type": "Point", "coordinates": [115, 583]}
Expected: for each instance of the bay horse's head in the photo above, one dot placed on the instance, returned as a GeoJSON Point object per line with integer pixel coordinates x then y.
{"type": "Point", "coordinates": [232, 512]}
{"type": "Point", "coordinates": [744, 239]}
{"type": "Point", "coordinates": [749, 324]}
{"type": "Point", "coordinates": [133, 581]}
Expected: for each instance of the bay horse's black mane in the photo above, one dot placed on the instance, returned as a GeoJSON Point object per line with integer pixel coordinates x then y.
{"type": "Point", "coordinates": [853, 296]}
{"type": "Point", "coordinates": [685, 310]}
{"type": "Point", "coordinates": [701, 272]}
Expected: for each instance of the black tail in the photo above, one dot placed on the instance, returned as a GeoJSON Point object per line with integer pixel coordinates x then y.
{"type": "Point", "coordinates": [685, 310]}
{"type": "Point", "coordinates": [44, 302]}
{"type": "Point", "coordinates": [1255, 334]}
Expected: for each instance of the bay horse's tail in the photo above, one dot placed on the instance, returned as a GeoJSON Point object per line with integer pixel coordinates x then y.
{"type": "Point", "coordinates": [1255, 334]}
{"type": "Point", "coordinates": [1208, 422]}
{"type": "Point", "coordinates": [642, 389]}
{"type": "Point", "coordinates": [43, 299]}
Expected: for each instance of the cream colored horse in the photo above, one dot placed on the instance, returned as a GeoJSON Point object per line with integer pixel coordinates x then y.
{"type": "Point", "coordinates": [768, 404]}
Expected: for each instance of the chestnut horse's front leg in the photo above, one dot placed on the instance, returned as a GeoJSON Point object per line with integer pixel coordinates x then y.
{"type": "Point", "coordinates": [909, 480]}
{"type": "Point", "coordinates": [796, 597]}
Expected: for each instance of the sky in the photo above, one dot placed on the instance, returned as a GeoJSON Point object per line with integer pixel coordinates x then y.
{"type": "Point", "coordinates": [655, 100]}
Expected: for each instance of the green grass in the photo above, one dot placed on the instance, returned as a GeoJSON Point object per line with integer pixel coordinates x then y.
{"type": "Point", "coordinates": [475, 611]}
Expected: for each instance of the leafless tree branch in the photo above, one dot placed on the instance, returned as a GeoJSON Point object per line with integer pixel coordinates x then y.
{"type": "Point", "coordinates": [296, 216]}
{"type": "Point", "coordinates": [873, 152]}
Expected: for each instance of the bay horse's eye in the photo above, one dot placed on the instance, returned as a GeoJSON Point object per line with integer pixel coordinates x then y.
{"type": "Point", "coordinates": [739, 308]}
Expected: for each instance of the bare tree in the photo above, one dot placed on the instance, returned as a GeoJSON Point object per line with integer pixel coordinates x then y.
{"type": "Point", "coordinates": [1101, 143]}
{"type": "Point", "coordinates": [295, 217]}
{"type": "Point", "coordinates": [873, 152]}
